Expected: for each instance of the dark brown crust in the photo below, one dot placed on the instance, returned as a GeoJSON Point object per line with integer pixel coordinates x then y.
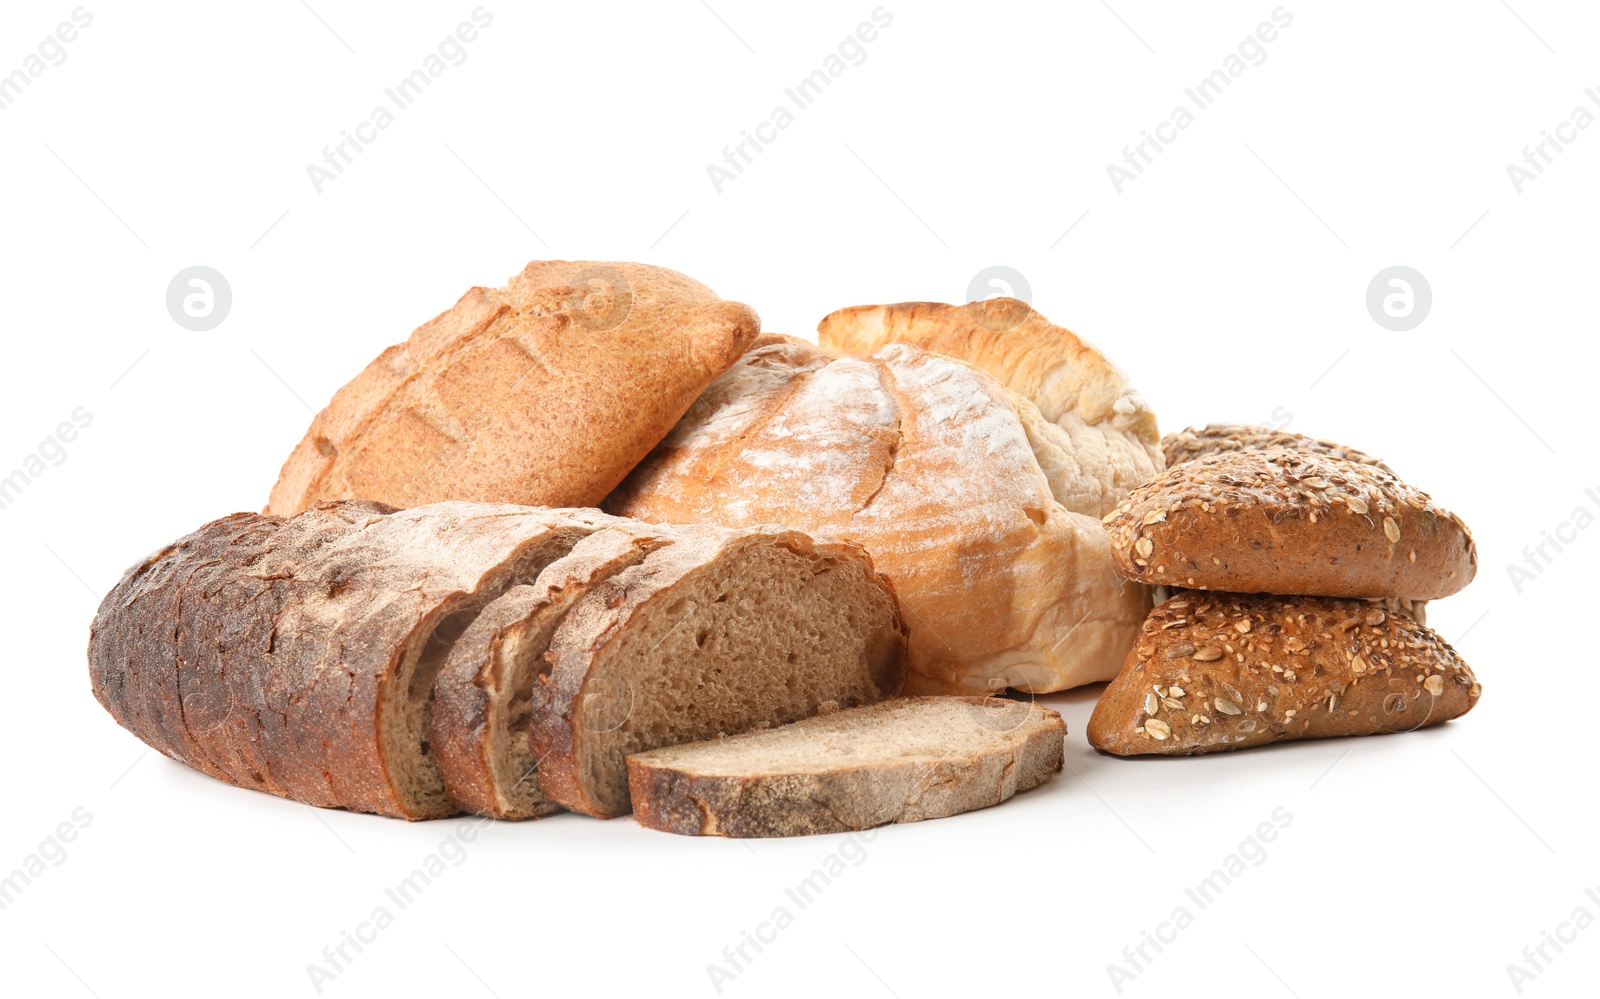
{"type": "Point", "coordinates": [258, 649]}
{"type": "Point", "coordinates": [1219, 438]}
{"type": "Point", "coordinates": [1305, 668]}
{"type": "Point", "coordinates": [1289, 521]}
{"type": "Point", "coordinates": [462, 741]}
{"type": "Point", "coordinates": [459, 719]}
{"type": "Point", "coordinates": [803, 804]}
{"type": "Point", "coordinates": [604, 614]}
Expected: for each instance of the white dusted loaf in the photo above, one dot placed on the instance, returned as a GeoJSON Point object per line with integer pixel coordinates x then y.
{"type": "Point", "coordinates": [935, 469]}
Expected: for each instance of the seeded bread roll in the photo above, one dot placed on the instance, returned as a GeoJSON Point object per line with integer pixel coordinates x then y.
{"type": "Point", "coordinates": [1418, 609]}
{"type": "Point", "coordinates": [1217, 671]}
{"type": "Point", "coordinates": [721, 632]}
{"type": "Point", "coordinates": [1219, 438]}
{"type": "Point", "coordinates": [902, 760]}
{"type": "Point", "coordinates": [1290, 521]}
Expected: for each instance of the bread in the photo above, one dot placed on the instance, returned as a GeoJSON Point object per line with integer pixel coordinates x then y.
{"type": "Point", "coordinates": [1218, 438]}
{"type": "Point", "coordinates": [545, 392]}
{"type": "Point", "coordinates": [901, 760]}
{"type": "Point", "coordinates": [1290, 521]}
{"type": "Point", "coordinates": [296, 656]}
{"type": "Point", "coordinates": [719, 632]}
{"type": "Point", "coordinates": [483, 699]}
{"type": "Point", "coordinates": [1111, 438]}
{"type": "Point", "coordinates": [1215, 671]}
{"type": "Point", "coordinates": [1417, 609]}
{"type": "Point", "coordinates": [935, 470]}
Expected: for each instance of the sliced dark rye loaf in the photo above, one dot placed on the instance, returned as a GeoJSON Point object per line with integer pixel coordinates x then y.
{"type": "Point", "coordinates": [902, 760]}
{"type": "Point", "coordinates": [296, 656]}
{"type": "Point", "coordinates": [482, 707]}
{"type": "Point", "coordinates": [719, 633]}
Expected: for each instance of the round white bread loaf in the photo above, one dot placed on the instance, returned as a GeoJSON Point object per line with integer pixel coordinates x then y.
{"type": "Point", "coordinates": [943, 476]}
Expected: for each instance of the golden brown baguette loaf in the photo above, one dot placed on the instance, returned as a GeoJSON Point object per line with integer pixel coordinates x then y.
{"type": "Point", "coordinates": [1216, 671]}
{"type": "Point", "coordinates": [1289, 521]}
{"type": "Point", "coordinates": [544, 392]}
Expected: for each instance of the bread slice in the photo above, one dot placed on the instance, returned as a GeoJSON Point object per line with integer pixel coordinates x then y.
{"type": "Point", "coordinates": [544, 392]}
{"type": "Point", "coordinates": [297, 656]}
{"type": "Point", "coordinates": [1216, 671]}
{"type": "Point", "coordinates": [1282, 520]}
{"type": "Point", "coordinates": [902, 760]}
{"type": "Point", "coordinates": [1218, 438]}
{"type": "Point", "coordinates": [482, 706]}
{"type": "Point", "coordinates": [721, 632]}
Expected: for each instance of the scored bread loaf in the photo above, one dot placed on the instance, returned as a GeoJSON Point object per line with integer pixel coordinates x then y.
{"type": "Point", "coordinates": [939, 473]}
{"type": "Point", "coordinates": [544, 392]}
{"type": "Point", "coordinates": [1216, 671]}
{"type": "Point", "coordinates": [296, 656]}
{"type": "Point", "coordinates": [1111, 439]}
{"type": "Point", "coordinates": [1218, 438]}
{"type": "Point", "coordinates": [902, 760]}
{"type": "Point", "coordinates": [1283, 520]}
{"type": "Point", "coordinates": [719, 632]}
{"type": "Point", "coordinates": [483, 699]}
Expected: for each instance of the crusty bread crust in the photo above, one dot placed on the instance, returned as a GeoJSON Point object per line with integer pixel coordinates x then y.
{"type": "Point", "coordinates": [1219, 438]}
{"type": "Point", "coordinates": [1288, 521]}
{"type": "Point", "coordinates": [938, 472]}
{"type": "Point", "coordinates": [1114, 441]}
{"type": "Point", "coordinates": [1215, 671]}
{"type": "Point", "coordinates": [545, 392]}
{"type": "Point", "coordinates": [464, 725]}
{"type": "Point", "coordinates": [1024, 750]}
{"type": "Point", "coordinates": [459, 721]}
{"type": "Point", "coordinates": [265, 652]}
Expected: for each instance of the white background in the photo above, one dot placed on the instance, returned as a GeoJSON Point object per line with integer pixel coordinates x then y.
{"type": "Point", "coordinates": [1229, 281]}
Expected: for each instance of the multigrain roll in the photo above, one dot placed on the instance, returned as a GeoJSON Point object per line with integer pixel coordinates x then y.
{"type": "Point", "coordinates": [1215, 671]}
{"type": "Point", "coordinates": [1283, 520]}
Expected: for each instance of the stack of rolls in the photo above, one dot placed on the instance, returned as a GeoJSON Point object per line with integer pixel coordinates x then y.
{"type": "Point", "coordinates": [1300, 568]}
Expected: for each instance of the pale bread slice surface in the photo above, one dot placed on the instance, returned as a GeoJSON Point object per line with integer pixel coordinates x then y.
{"type": "Point", "coordinates": [902, 760]}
